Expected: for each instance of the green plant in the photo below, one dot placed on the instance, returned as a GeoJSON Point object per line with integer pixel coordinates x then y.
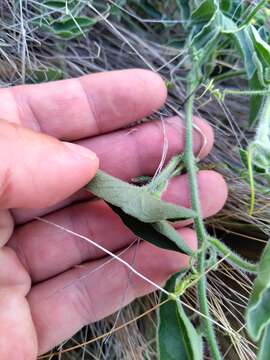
{"type": "Point", "coordinates": [211, 24]}
{"type": "Point", "coordinates": [156, 32]}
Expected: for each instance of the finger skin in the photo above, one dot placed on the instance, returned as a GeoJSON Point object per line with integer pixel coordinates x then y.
{"type": "Point", "coordinates": [36, 240]}
{"type": "Point", "coordinates": [62, 305]}
{"type": "Point", "coordinates": [6, 226]}
{"type": "Point", "coordinates": [18, 339]}
{"type": "Point", "coordinates": [87, 106]}
{"type": "Point", "coordinates": [133, 152]}
{"type": "Point", "coordinates": [37, 170]}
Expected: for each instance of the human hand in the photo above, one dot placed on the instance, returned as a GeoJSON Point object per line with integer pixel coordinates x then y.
{"type": "Point", "coordinates": [45, 293]}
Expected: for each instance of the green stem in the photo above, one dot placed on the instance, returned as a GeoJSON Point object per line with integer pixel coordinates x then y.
{"type": "Point", "coordinates": [232, 257]}
{"type": "Point", "coordinates": [190, 162]}
{"type": "Point", "coordinates": [228, 75]}
{"type": "Point", "coordinates": [251, 182]}
{"type": "Point", "coordinates": [245, 92]}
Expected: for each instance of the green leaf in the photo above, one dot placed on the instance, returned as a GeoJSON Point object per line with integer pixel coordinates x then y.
{"type": "Point", "coordinates": [177, 337]}
{"type": "Point", "coordinates": [208, 33]}
{"type": "Point", "coordinates": [258, 310]}
{"type": "Point", "coordinates": [256, 101]}
{"type": "Point", "coordinates": [57, 4]}
{"type": "Point", "coordinates": [135, 201]}
{"type": "Point", "coordinates": [264, 348]}
{"type": "Point", "coordinates": [244, 43]}
{"type": "Point", "coordinates": [247, 49]}
{"type": "Point", "coordinates": [262, 52]}
{"type": "Point", "coordinates": [166, 229]}
{"type": "Point", "coordinates": [161, 234]}
{"type": "Point", "coordinates": [70, 24]}
{"type": "Point", "coordinates": [205, 11]}
{"type": "Point", "coordinates": [44, 75]}
{"type": "Point", "coordinates": [225, 5]}
{"type": "Point", "coordinates": [69, 28]}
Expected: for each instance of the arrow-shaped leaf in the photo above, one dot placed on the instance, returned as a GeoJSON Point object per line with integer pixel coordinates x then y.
{"type": "Point", "coordinates": [135, 201]}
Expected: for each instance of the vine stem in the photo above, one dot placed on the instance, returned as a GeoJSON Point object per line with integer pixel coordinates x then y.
{"type": "Point", "coordinates": [233, 258]}
{"type": "Point", "coordinates": [190, 163]}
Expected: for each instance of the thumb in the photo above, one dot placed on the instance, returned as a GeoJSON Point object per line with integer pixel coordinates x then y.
{"type": "Point", "coordinates": [37, 170]}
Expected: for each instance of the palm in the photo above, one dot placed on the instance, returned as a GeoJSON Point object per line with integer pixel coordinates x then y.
{"type": "Point", "coordinates": [47, 296]}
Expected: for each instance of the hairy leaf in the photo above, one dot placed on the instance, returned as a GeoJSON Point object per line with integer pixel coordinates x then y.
{"type": "Point", "coordinates": [264, 348]}
{"type": "Point", "coordinates": [135, 201]}
{"type": "Point", "coordinates": [161, 234]}
{"type": "Point", "coordinates": [258, 310]}
{"type": "Point", "coordinates": [177, 337]}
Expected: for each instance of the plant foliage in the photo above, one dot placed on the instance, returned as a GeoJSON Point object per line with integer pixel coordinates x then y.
{"type": "Point", "coordinates": [209, 24]}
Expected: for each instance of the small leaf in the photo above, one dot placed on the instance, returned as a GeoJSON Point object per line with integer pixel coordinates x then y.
{"type": "Point", "coordinates": [177, 337]}
{"type": "Point", "coordinates": [135, 201]}
{"type": "Point", "coordinates": [44, 75]}
{"type": "Point", "coordinates": [161, 234]}
{"type": "Point", "coordinates": [258, 310]}
{"type": "Point", "coordinates": [69, 27]}
{"type": "Point", "coordinates": [57, 4]}
{"type": "Point", "coordinates": [69, 24]}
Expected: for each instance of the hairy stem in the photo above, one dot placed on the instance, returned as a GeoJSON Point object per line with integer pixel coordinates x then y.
{"type": "Point", "coordinates": [251, 182]}
{"type": "Point", "coordinates": [228, 75]}
{"type": "Point", "coordinates": [190, 162]}
{"type": "Point", "coordinates": [232, 257]}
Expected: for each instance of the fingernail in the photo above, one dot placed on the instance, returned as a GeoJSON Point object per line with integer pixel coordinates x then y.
{"type": "Point", "coordinates": [81, 150]}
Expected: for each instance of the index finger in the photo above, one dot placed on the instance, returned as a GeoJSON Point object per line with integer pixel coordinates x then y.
{"type": "Point", "coordinates": [82, 107]}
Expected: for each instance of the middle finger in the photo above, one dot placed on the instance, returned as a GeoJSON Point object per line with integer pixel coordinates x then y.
{"type": "Point", "coordinates": [130, 153]}
{"type": "Point", "coordinates": [45, 251]}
